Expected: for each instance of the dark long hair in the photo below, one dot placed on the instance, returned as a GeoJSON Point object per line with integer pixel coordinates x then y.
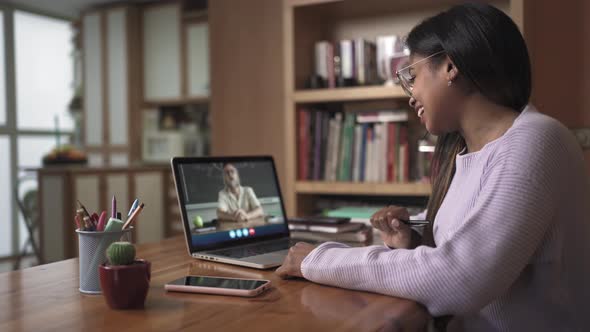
{"type": "Point", "coordinates": [492, 58]}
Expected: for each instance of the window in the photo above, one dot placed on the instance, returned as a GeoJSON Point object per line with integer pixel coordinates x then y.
{"type": "Point", "coordinates": [41, 90]}
{"type": "Point", "coordinates": [31, 149]}
{"type": "Point", "coordinates": [44, 71]}
{"type": "Point", "coordinates": [5, 198]}
{"type": "Point", "coordinates": [2, 74]}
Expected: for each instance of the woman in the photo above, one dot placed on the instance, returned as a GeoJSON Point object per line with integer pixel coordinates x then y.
{"type": "Point", "coordinates": [508, 249]}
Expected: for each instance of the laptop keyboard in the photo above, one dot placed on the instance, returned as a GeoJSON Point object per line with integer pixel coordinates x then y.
{"type": "Point", "coordinates": [256, 249]}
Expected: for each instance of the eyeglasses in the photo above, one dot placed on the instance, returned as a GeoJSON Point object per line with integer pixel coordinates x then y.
{"type": "Point", "coordinates": [406, 78]}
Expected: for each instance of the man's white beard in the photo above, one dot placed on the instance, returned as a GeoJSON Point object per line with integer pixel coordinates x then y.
{"type": "Point", "coordinates": [235, 183]}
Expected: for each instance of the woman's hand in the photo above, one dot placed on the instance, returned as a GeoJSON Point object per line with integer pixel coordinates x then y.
{"type": "Point", "coordinates": [292, 264]}
{"type": "Point", "coordinates": [394, 232]}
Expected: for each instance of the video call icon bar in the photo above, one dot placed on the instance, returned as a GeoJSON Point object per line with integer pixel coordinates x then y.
{"type": "Point", "coordinates": [238, 233]}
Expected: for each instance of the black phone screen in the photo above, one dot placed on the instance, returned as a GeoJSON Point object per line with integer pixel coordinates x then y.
{"type": "Point", "coordinates": [215, 282]}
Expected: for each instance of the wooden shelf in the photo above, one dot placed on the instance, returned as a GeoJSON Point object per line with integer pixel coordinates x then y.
{"type": "Point", "coordinates": [349, 94]}
{"type": "Point", "coordinates": [364, 188]}
{"type": "Point", "coordinates": [176, 102]}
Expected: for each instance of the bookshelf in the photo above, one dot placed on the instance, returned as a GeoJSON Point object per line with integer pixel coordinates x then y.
{"type": "Point", "coordinates": [306, 22]}
{"type": "Point", "coordinates": [348, 94]}
{"type": "Point", "coordinates": [368, 189]}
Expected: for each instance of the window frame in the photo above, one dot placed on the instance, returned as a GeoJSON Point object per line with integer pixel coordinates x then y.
{"type": "Point", "coordinates": [10, 129]}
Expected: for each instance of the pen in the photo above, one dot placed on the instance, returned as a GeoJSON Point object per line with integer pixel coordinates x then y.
{"type": "Point", "coordinates": [133, 207]}
{"type": "Point", "coordinates": [133, 216]}
{"type": "Point", "coordinates": [415, 222]}
{"type": "Point", "coordinates": [83, 208]}
{"type": "Point", "coordinates": [114, 208]}
{"type": "Point", "coordinates": [87, 224]}
{"type": "Point", "coordinates": [80, 217]}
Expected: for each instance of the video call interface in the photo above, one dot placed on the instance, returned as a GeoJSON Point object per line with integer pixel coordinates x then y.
{"type": "Point", "coordinates": [231, 200]}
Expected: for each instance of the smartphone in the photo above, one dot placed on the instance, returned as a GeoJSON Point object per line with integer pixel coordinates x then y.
{"type": "Point", "coordinates": [218, 285]}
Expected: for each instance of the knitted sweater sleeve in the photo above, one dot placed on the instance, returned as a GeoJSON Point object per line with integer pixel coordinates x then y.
{"type": "Point", "coordinates": [478, 262]}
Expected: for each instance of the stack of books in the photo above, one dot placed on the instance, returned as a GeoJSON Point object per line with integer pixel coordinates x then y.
{"type": "Point", "coordinates": [352, 233]}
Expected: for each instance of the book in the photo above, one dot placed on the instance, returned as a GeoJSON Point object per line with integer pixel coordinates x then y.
{"type": "Point", "coordinates": [346, 52]}
{"type": "Point", "coordinates": [382, 116]}
{"type": "Point", "coordinates": [356, 152]}
{"type": "Point", "coordinates": [390, 151]}
{"type": "Point", "coordinates": [355, 213]}
{"type": "Point", "coordinates": [302, 141]}
{"type": "Point", "coordinates": [363, 235]}
{"type": "Point", "coordinates": [363, 153]}
{"type": "Point", "coordinates": [324, 144]}
{"type": "Point", "coordinates": [310, 144]}
{"type": "Point", "coordinates": [336, 136]}
{"type": "Point", "coordinates": [326, 228]}
{"type": "Point", "coordinates": [317, 145]}
{"type": "Point", "coordinates": [346, 148]}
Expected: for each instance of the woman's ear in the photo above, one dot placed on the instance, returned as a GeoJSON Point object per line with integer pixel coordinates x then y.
{"type": "Point", "coordinates": [451, 70]}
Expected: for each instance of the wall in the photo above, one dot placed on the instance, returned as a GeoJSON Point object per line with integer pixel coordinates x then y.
{"type": "Point", "coordinates": [558, 38]}
{"type": "Point", "coordinates": [247, 93]}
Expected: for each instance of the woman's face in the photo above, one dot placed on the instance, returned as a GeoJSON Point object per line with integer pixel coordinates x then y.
{"type": "Point", "coordinates": [433, 98]}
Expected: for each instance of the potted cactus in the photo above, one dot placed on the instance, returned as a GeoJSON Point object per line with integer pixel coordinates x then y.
{"type": "Point", "coordinates": [124, 280]}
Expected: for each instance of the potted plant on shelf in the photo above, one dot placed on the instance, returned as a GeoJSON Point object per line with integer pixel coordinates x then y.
{"type": "Point", "coordinates": [124, 280]}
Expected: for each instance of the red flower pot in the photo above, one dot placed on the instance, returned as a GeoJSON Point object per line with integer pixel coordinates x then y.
{"type": "Point", "coordinates": [125, 286]}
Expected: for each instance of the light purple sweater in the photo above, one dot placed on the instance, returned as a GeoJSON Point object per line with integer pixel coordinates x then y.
{"type": "Point", "coordinates": [512, 240]}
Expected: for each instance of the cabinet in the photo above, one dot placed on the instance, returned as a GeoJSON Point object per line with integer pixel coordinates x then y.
{"type": "Point", "coordinates": [59, 188]}
{"type": "Point", "coordinates": [109, 43]}
{"type": "Point", "coordinates": [176, 55]}
{"type": "Point", "coordinates": [309, 21]}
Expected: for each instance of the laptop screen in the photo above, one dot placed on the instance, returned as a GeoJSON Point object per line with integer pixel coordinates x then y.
{"type": "Point", "coordinates": [228, 200]}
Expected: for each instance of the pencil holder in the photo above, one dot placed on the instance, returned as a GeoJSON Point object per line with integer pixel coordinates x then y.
{"type": "Point", "coordinates": [92, 248]}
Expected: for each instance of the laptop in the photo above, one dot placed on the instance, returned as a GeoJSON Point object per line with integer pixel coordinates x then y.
{"type": "Point", "coordinates": [232, 210]}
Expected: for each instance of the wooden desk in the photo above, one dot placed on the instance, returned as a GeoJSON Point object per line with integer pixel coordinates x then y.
{"type": "Point", "coordinates": [46, 297]}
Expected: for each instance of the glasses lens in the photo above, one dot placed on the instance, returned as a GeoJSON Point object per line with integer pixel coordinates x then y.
{"type": "Point", "coordinates": [405, 80]}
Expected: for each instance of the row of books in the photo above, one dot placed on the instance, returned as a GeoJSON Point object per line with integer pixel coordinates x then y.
{"type": "Point", "coordinates": [359, 147]}
{"type": "Point", "coordinates": [358, 61]}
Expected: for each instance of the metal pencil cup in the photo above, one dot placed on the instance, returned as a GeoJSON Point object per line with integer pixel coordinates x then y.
{"type": "Point", "coordinates": [92, 248]}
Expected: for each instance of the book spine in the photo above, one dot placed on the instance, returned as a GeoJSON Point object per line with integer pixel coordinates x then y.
{"type": "Point", "coordinates": [331, 66]}
{"type": "Point", "coordinates": [346, 148]}
{"type": "Point", "coordinates": [317, 145]}
{"type": "Point", "coordinates": [406, 154]}
{"type": "Point", "coordinates": [385, 143]}
{"type": "Point", "coordinates": [370, 157]}
{"type": "Point", "coordinates": [311, 144]}
{"type": "Point", "coordinates": [303, 115]}
{"type": "Point", "coordinates": [335, 150]}
{"type": "Point", "coordinates": [324, 144]}
{"type": "Point", "coordinates": [330, 148]}
{"type": "Point", "coordinates": [371, 76]}
{"type": "Point", "coordinates": [363, 153]}
{"type": "Point", "coordinates": [400, 155]}
{"type": "Point", "coordinates": [390, 151]}
{"type": "Point", "coordinates": [360, 61]}
{"type": "Point", "coordinates": [356, 155]}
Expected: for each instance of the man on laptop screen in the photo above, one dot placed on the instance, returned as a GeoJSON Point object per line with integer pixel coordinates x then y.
{"type": "Point", "coordinates": [237, 203]}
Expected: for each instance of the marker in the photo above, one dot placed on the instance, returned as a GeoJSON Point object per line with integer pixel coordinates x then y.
{"type": "Point", "coordinates": [101, 221]}
{"type": "Point", "coordinates": [114, 207]}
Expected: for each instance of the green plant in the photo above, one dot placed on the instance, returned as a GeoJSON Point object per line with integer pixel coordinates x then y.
{"type": "Point", "coordinates": [121, 253]}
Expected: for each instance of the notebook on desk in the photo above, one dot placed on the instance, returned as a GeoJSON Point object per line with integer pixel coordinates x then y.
{"type": "Point", "coordinates": [232, 210]}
